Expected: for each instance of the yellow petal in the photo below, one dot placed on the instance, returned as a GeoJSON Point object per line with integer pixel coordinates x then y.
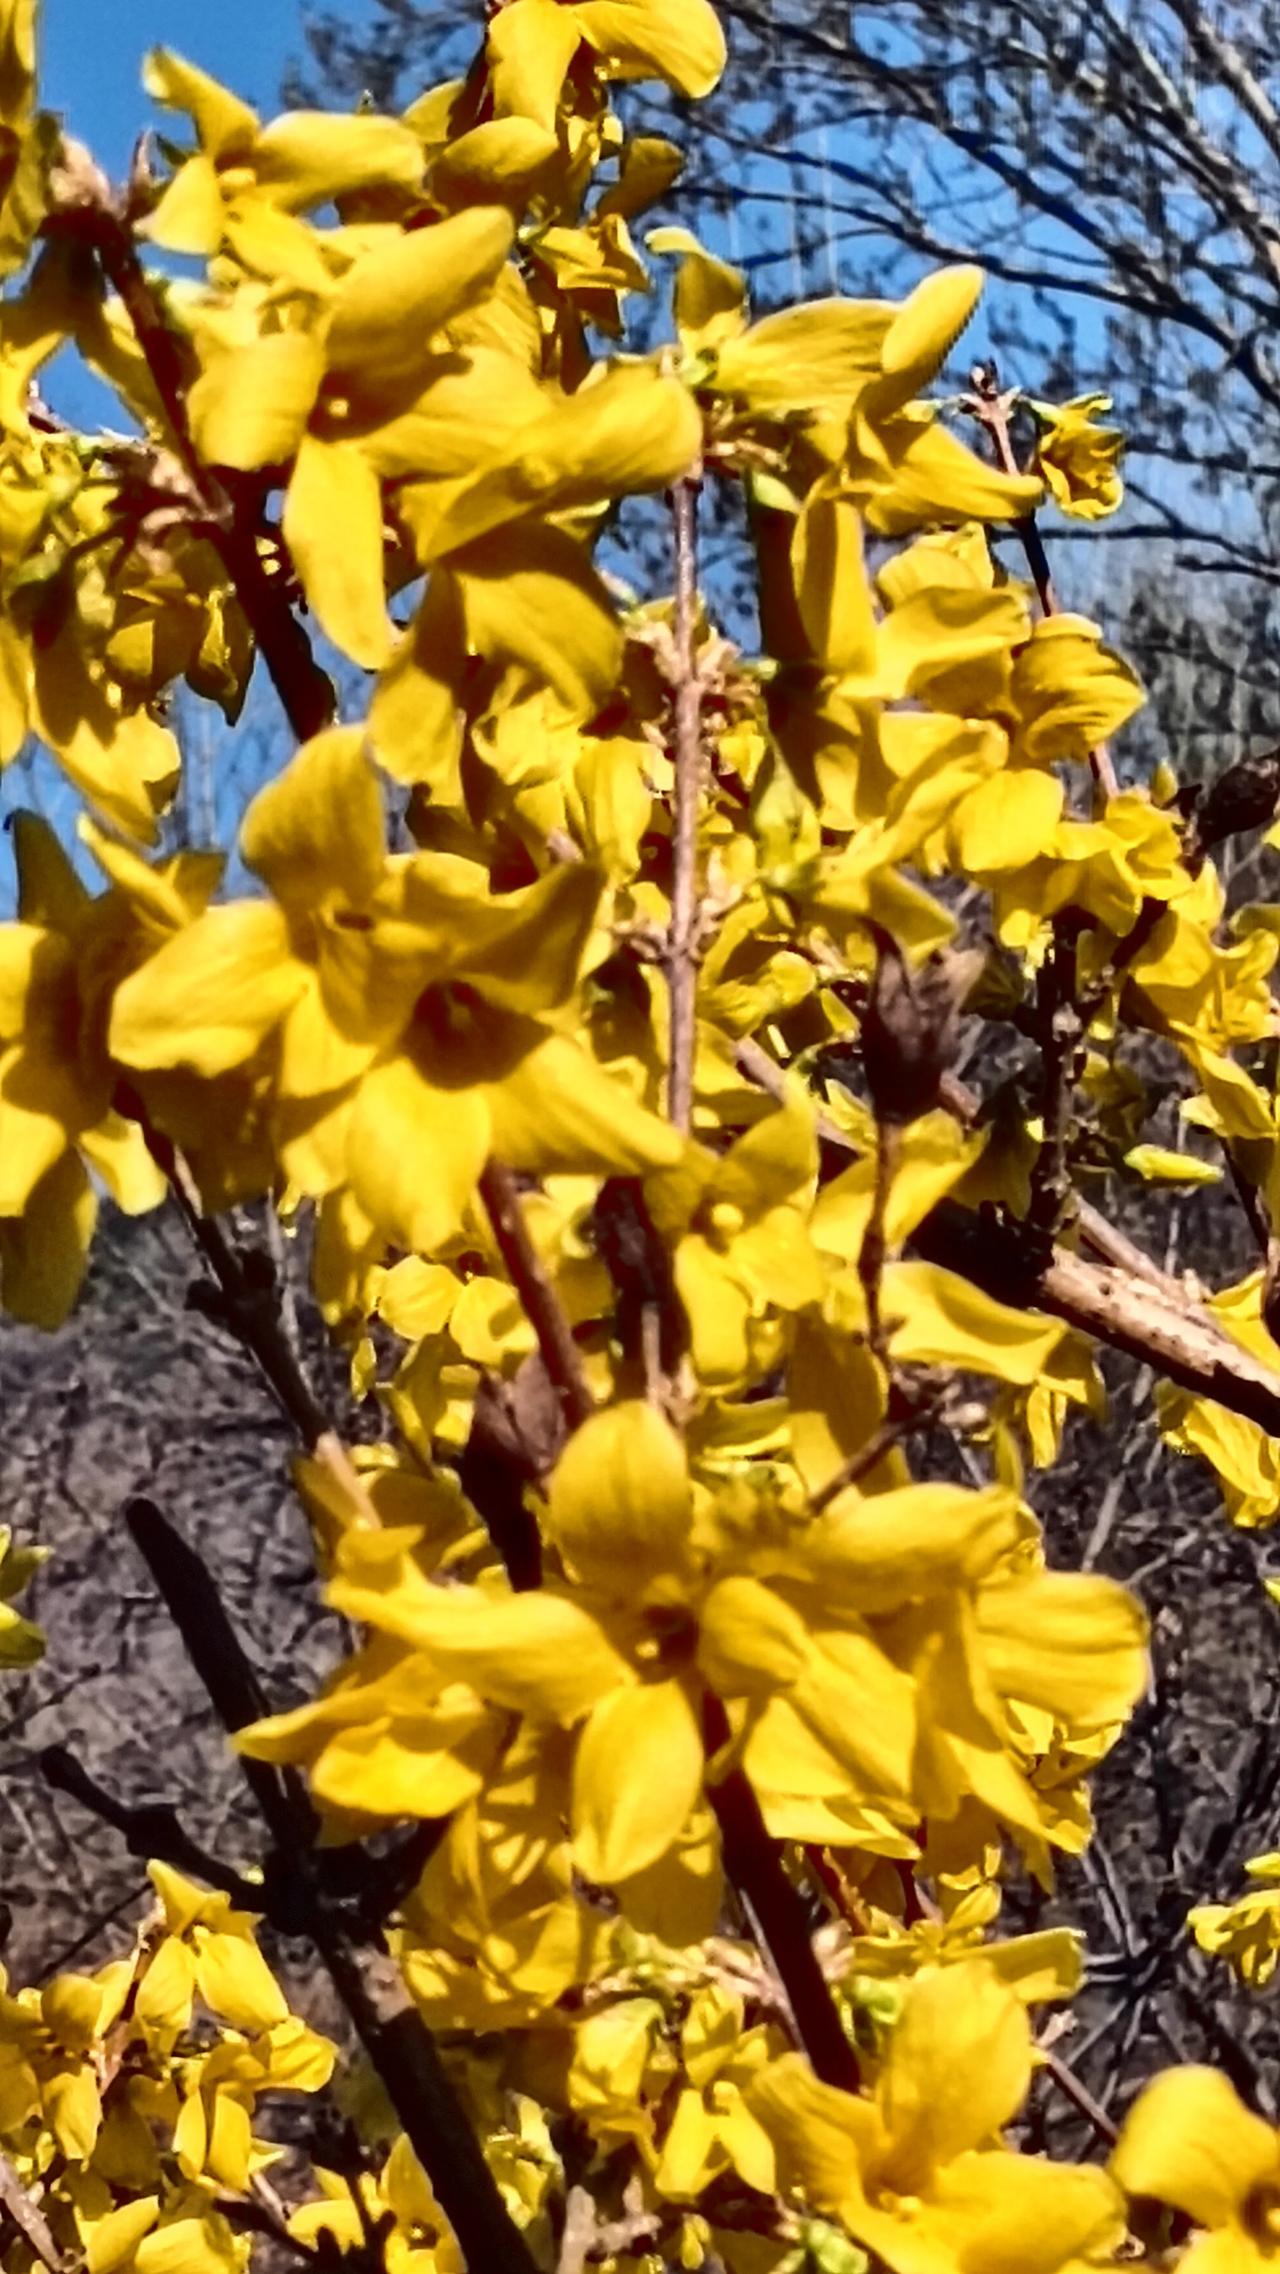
{"type": "Point", "coordinates": [710, 297]}
{"type": "Point", "coordinates": [1007, 821]}
{"type": "Point", "coordinates": [190, 215]}
{"type": "Point", "coordinates": [416, 1298]}
{"type": "Point", "coordinates": [1188, 2140]}
{"type": "Point", "coordinates": [558, 1109]}
{"type": "Point", "coordinates": [168, 1986]}
{"type": "Point", "coordinates": [958, 2069]}
{"type": "Point", "coordinates": [750, 1640]}
{"type": "Point", "coordinates": [494, 165]}
{"type": "Point", "coordinates": [73, 2111]}
{"type": "Point", "coordinates": [1020, 2214]}
{"type": "Point", "coordinates": [424, 1764]}
{"type": "Point", "coordinates": [416, 1152]}
{"type": "Point", "coordinates": [189, 2246]}
{"type": "Point", "coordinates": [1160, 1164]}
{"type": "Point", "coordinates": [923, 1539]}
{"type": "Point", "coordinates": [927, 325]}
{"type": "Point", "coordinates": [636, 1775]}
{"type": "Point", "coordinates": [393, 301]}
{"type": "Point", "coordinates": [815, 356]}
{"type": "Point", "coordinates": [530, 45]}
{"type": "Point", "coordinates": [230, 2143]}
{"type": "Point", "coordinates": [415, 718]}
{"type": "Point", "coordinates": [112, 2239]}
{"type": "Point", "coordinates": [1070, 691]}
{"type": "Point", "coordinates": [824, 2133]}
{"type": "Point", "coordinates": [212, 994]}
{"type": "Point", "coordinates": [317, 830]}
{"type": "Point", "coordinates": [538, 1652]}
{"type": "Point", "coordinates": [250, 408]}
{"type": "Point", "coordinates": [306, 158]}
{"type": "Point", "coordinates": [680, 41]}
{"type": "Point", "coordinates": [632, 429]}
{"type": "Point", "coordinates": [333, 528]}
{"type": "Point", "coordinates": [832, 590]}
{"type": "Point", "coordinates": [531, 596]}
{"type": "Point", "coordinates": [44, 1253]}
{"type": "Point", "coordinates": [1073, 1642]}
{"type": "Point", "coordinates": [943, 1320]}
{"type": "Point", "coordinates": [224, 124]}
{"type": "Point", "coordinates": [619, 1502]}
{"type": "Point", "coordinates": [236, 1982]}
{"type": "Point", "coordinates": [276, 246]}
{"type": "Point", "coordinates": [532, 956]}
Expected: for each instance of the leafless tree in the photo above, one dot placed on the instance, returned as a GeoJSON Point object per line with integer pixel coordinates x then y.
{"type": "Point", "coordinates": [1115, 166]}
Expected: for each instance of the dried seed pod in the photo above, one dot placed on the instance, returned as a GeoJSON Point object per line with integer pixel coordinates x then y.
{"type": "Point", "coordinates": [1246, 797]}
{"type": "Point", "coordinates": [909, 1027]}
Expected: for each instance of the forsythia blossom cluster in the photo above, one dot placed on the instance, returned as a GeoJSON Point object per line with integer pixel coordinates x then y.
{"type": "Point", "coordinates": [380, 413]}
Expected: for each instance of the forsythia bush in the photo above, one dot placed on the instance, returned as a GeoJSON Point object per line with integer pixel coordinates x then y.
{"type": "Point", "coordinates": [593, 994]}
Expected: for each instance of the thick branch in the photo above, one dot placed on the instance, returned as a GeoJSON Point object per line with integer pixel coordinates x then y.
{"type": "Point", "coordinates": [149, 1829]}
{"type": "Point", "coordinates": [776, 1914]}
{"type": "Point", "coordinates": [1132, 1315]}
{"type": "Point", "coordinates": [682, 942]}
{"type": "Point", "coordinates": [89, 212]}
{"type": "Point", "coordinates": [365, 1976]}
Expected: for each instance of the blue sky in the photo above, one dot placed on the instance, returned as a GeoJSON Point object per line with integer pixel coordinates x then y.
{"type": "Point", "coordinates": [92, 50]}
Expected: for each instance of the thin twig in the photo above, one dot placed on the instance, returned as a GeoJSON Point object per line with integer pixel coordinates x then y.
{"type": "Point", "coordinates": [682, 939]}
{"type": "Point", "coordinates": [991, 408]}
{"type": "Point", "coordinates": [148, 1829]}
{"type": "Point", "coordinates": [532, 1282]}
{"type": "Point", "coordinates": [26, 2215]}
{"type": "Point", "coordinates": [249, 1309]}
{"type": "Point", "coordinates": [1080, 2096]}
{"type": "Point", "coordinates": [890, 1433]}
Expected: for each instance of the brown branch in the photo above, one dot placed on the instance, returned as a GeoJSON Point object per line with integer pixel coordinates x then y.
{"type": "Point", "coordinates": [1060, 1031]}
{"type": "Point", "coordinates": [873, 1250]}
{"type": "Point", "coordinates": [1070, 2085]}
{"type": "Point", "coordinates": [682, 938]}
{"type": "Point", "coordinates": [247, 1306]}
{"type": "Point", "coordinates": [148, 1829]}
{"type": "Point", "coordinates": [1175, 1339]}
{"type": "Point", "coordinates": [991, 409]}
{"type": "Point", "coordinates": [21, 2209]}
{"type": "Point", "coordinates": [1127, 1302]}
{"type": "Point", "coordinates": [364, 1974]}
{"type": "Point", "coordinates": [775, 1913]}
{"type": "Point", "coordinates": [532, 1282]}
{"type": "Point", "coordinates": [88, 212]}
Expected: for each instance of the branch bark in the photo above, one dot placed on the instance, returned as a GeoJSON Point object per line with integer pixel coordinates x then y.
{"type": "Point", "coordinates": [1128, 1314]}
{"type": "Point", "coordinates": [365, 1976]}
{"type": "Point", "coordinates": [682, 940]}
{"type": "Point", "coordinates": [89, 213]}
